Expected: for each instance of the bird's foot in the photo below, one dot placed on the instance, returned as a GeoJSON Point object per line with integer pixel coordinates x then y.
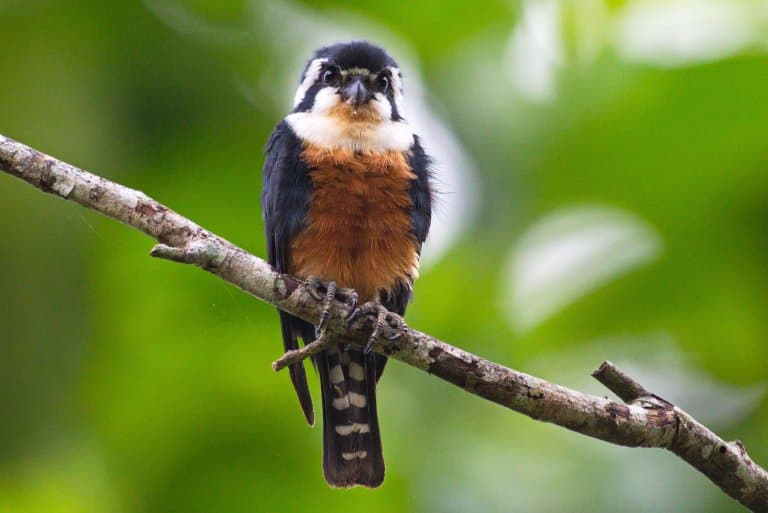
{"type": "Point", "coordinates": [386, 325]}
{"type": "Point", "coordinates": [327, 292]}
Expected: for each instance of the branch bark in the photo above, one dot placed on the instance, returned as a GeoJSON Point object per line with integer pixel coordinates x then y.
{"type": "Point", "coordinates": [643, 420]}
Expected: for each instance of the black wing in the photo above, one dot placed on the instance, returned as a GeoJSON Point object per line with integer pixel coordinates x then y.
{"type": "Point", "coordinates": [421, 192]}
{"type": "Point", "coordinates": [285, 198]}
{"type": "Point", "coordinates": [421, 217]}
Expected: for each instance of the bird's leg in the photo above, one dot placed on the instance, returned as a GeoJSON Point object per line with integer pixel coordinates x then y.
{"type": "Point", "coordinates": [384, 319]}
{"type": "Point", "coordinates": [327, 292]}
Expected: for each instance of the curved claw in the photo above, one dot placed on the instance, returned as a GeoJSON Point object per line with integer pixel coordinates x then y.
{"type": "Point", "coordinates": [315, 287]}
{"type": "Point", "coordinates": [384, 319]}
{"type": "Point", "coordinates": [364, 309]}
{"type": "Point", "coordinates": [326, 313]}
{"type": "Point", "coordinates": [381, 317]}
{"type": "Point", "coordinates": [327, 292]}
{"type": "Point", "coordinates": [396, 327]}
{"type": "Point", "coordinates": [371, 342]}
{"type": "Point", "coordinates": [352, 298]}
{"type": "Point", "coordinates": [396, 333]}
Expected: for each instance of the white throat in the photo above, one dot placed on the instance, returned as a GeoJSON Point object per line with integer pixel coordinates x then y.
{"type": "Point", "coordinates": [332, 132]}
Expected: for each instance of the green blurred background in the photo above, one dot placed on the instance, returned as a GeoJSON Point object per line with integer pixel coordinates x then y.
{"type": "Point", "coordinates": [603, 171]}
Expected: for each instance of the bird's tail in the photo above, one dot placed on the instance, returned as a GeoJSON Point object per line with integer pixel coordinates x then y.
{"type": "Point", "coordinates": [351, 441]}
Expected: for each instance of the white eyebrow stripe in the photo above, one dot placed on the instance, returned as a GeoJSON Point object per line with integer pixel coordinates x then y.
{"type": "Point", "coordinates": [310, 77]}
{"type": "Point", "coordinates": [397, 85]}
{"type": "Point", "coordinates": [397, 81]}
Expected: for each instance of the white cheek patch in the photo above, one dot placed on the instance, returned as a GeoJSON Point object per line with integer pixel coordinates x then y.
{"type": "Point", "coordinates": [331, 133]}
{"type": "Point", "coordinates": [382, 105]}
{"type": "Point", "coordinates": [310, 77]}
{"type": "Point", "coordinates": [325, 99]}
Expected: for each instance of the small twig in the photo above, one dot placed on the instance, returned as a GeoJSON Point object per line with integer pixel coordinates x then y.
{"type": "Point", "coordinates": [619, 383]}
{"type": "Point", "coordinates": [198, 251]}
{"type": "Point", "coordinates": [297, 355]}
{"type": "Point", "coordinates": [169, 253]}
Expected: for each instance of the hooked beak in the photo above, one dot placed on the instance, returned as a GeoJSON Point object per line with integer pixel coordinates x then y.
{"type": "Point", "coordinates": [355, 93]}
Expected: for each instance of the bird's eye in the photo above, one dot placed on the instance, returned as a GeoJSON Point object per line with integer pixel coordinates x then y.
{"type": "Point", "coordinates": [383, 83]}
{"type": "Point", "coordinates": [330, 76]}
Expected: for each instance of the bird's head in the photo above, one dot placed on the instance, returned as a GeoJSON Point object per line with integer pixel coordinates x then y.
{"type": "Point", "coordinates": [355, 81]}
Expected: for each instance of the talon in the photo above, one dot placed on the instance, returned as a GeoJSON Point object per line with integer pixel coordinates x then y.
{"type": "Point", "coordinates": [369, 345]}
{"type": "Point", "coordinates": [326, 313]}
{"type": "Point", "coordinates": [327, 292]}
{"type": "Point", "coordinates": [381, 317]}
{"type": "Point", "coordinates": [397, 327]}
{"type": "Point", "coordinates": [364, 309]}
{"type": "Point", "coordinates": [353, 298]}
{"type": "Point", "coordinates": [316, 286]}
{"type": "Point", "coordinates": [353, 315]}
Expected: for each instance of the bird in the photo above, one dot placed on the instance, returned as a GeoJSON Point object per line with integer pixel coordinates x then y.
{"type": "Point", "coordinates": [347, 200]}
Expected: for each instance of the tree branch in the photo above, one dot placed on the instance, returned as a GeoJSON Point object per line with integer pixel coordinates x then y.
{"type": "Point", "coordinates": [645, 420]}
{"type": "Point", "coordinates": [297, 355]}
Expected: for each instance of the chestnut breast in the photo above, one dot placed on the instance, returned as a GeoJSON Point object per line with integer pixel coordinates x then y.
{"type": "Point", "coordinates": [358, 228]}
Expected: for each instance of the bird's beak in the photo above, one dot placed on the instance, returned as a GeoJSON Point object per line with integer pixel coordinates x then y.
{"type": "Point", "coordinates": [355, 93]}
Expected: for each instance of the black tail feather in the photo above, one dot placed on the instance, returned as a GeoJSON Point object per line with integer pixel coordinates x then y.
{"type": "Point", "coordinates": [352, 453]}
{"type": "Point", "coordinates": [290, 326]}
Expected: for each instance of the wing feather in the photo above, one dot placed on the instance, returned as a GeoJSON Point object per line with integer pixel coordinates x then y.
{"type": "Point", "coordinates": [285, 198]}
